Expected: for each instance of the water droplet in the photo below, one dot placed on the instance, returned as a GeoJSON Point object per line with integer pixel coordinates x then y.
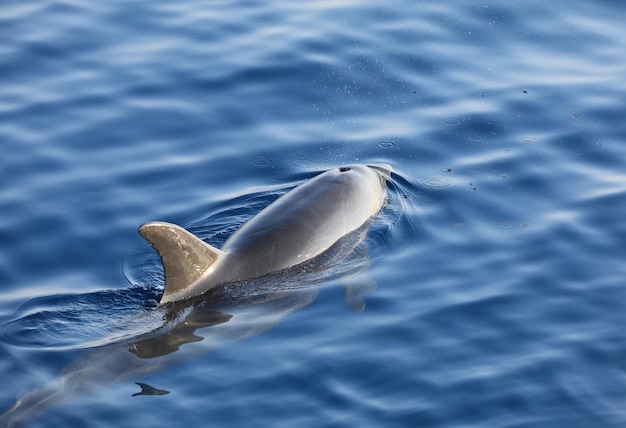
{"type": "Point", "coordinates": [304, 163]}
{"type": "Point", "coordinates": [436, 183]}
{"type": "Point", "coordinates": [505, 175]}
{"type": "Point", "coordinates": [283, 176]}
{"type": "Point", "coordinates": [577, 115]}
{"type": "Point", "coordinates": [448, 170]}
{"type": "Point", "coordinates": [476, 137]}
{"type": "Point", "coordinates": [528, 140]}
{"type": "Point", "coordinates": [386, 144]}
{"type": "Point", "coordinates": [452, 121]}
{"type": "Point", "coordinates": [507, 224]}
{"type": "Point", "coordinates": [262, 162]}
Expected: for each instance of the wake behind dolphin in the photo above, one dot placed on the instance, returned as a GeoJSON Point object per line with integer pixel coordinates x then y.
{"type": "Point", "coordinates": [295, 228]}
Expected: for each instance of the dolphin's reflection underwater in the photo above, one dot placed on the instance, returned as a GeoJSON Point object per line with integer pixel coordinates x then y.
{"type": "Point", "coordinates": [211, 314]}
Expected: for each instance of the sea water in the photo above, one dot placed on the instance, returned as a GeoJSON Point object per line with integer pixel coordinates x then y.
{"type": "Point", "coordinates": [493, 278]}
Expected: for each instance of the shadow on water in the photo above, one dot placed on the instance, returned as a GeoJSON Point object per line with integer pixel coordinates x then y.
{"type": "Point", "coordinates": [139, 337]}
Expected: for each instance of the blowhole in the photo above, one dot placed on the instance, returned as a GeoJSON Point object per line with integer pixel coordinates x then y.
{"type": "Point", "coordinates": [344, 169]}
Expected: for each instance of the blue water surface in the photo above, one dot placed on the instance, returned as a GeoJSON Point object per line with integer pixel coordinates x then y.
{"type": "Point", "coordinates": [493, 278]}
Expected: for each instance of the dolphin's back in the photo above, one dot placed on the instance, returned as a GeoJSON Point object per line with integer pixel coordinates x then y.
{"type": "Point", "coordinates": [305, 222]}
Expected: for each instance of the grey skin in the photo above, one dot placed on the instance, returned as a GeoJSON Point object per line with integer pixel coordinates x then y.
{"type": "Point", "coordinates": [296, 227]}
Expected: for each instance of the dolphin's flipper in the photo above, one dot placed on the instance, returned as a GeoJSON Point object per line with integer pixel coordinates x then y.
{"type": "Point", "coordinates": [356, 288]}
{"type": "Point", "coordinates": [186, 258]}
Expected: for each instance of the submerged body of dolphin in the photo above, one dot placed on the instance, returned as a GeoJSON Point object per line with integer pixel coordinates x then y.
{"type": "Point", "coordinates": [296, 227]}
{"type": "Point", "coordinates": [205, 326]}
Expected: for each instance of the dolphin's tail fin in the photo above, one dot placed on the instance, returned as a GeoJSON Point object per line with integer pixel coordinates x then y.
{"type": "Point", "coordinates": [186, 259]}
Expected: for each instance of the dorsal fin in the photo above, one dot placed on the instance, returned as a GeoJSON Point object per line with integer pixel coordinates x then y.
{"type": "Point", "coordinates": [383, 169]}
{"type": "Point", "coordinates": [185, 257]}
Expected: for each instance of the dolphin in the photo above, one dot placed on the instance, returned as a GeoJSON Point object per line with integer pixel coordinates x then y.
{"type": "Point", "coordinates": [307, 222]}
{"type": "Point", "coordinates": [298, 226]}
